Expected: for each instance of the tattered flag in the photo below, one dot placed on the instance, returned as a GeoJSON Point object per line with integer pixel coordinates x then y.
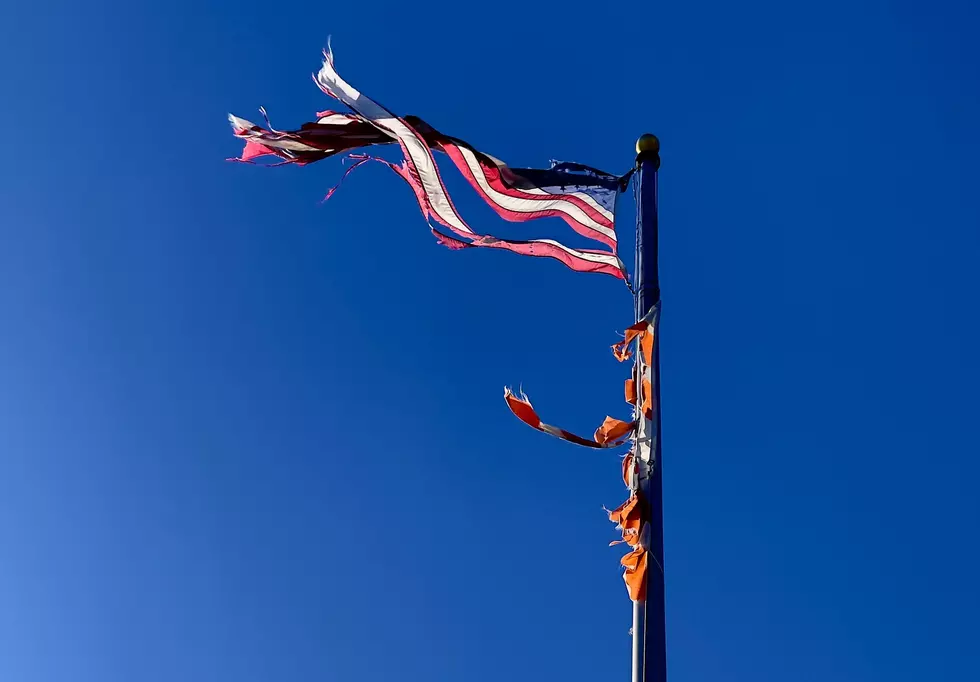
{"type": "Point", "coordinates": [582, 196]}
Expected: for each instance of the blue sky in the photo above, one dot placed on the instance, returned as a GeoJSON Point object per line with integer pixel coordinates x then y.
{"type": "Point", "coordinates": [248, 437]}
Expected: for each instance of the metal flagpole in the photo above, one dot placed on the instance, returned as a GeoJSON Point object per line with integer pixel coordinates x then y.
{"type": "Point", "coordinates": [649, 618]}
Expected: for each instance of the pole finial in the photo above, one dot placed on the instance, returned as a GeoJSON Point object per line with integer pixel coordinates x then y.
{"type": "Point", "coordinates": [648, 144]}
{"type": "Point", "coordinates": [648, 149]}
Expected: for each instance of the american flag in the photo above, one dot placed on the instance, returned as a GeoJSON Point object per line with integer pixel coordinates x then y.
{"type": "Point", "coordinates": [583, 197]}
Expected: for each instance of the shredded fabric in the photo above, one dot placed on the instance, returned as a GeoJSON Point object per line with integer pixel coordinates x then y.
{"type": "Point", "coordinates": [646, 409]}
{"type": "Point", "coordinates": [642, 330]}
{"type": "Point", "coordinates": [627, 518]}
{"type": "Point", "coordinates": [583, 197]}
{"type": "Point", "coordinates": [637, 465]}
{"type": "Point", "coordinates": [610, 435]}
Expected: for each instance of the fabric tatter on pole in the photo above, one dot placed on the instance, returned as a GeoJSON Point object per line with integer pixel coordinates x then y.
{"type": "Point", "coordinates": [649, 617]}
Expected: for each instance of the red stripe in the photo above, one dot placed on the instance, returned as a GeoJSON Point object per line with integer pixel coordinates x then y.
{"type": "Point", "coordinates": [492, 175]}
{"type": "Point", "coordinates": [550, 251]}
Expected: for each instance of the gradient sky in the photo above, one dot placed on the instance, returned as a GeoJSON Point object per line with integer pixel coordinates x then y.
{"type": "Point", "coordinates": [247, 437]}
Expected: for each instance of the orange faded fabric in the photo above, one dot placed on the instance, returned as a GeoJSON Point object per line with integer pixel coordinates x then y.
{"type": "Point", "coordinates": [635, 574]}
{"type": "Point", "coordinates": [522, 409]}
{"type": "Point", "coordinates": [629, 517]}
{"type": "Point", "coordinates": [642, 330]}
{"type": "Point", "coordinates": [630, 391]}
{"type": "Point", "coordinates": [613, 429]}
{"type": "Point", "coordinates": [622, 349]}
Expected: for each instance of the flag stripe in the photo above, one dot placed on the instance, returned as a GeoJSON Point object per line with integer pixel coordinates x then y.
{"type": "Point", "coordinates": [518, 205]}
{"type": "Point", "coordinates": [580, 261]}
{"type": "Point", "coordinates": [576, 260]}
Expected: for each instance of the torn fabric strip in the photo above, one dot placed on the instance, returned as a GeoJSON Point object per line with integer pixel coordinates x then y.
{"type": "Point", "coordinates": [580, 260]}
{"type": "Point", "coordinates": [333, 133]}
{"type": "Point", "coordinates": [642, 330]}
{"type": "Point", "coordinates": [583, 197]}
{"type": "Point", "coordinates": [611, 434]}
{"type": "Point", "coordinates": [613, 429]}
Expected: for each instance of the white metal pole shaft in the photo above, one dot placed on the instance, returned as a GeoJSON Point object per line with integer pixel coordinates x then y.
{"type": "Point", "coordinates": [639, 639]}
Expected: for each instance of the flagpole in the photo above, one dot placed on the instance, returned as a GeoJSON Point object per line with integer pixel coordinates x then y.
{"type": "Point", "coordinates": [649, 618]}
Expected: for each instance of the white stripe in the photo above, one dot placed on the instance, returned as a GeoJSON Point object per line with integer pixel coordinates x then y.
{"type": "Point", "coordinates": [240, 123]}
{"type": "Point", "coordinates": [415, 147]}
{"type": "Point", "coordinates": [519, 205]}
{"type": "Point", "coordinates": [336, 119]}
{"type": "Point", "coordinates": [581, 195]}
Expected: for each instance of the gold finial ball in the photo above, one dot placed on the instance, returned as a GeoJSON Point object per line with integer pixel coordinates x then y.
{"type": "Point", "coordinates": [647, 143]}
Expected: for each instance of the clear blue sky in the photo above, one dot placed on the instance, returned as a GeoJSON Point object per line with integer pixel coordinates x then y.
{"type": "Point", "coordinates": [247, 437]}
